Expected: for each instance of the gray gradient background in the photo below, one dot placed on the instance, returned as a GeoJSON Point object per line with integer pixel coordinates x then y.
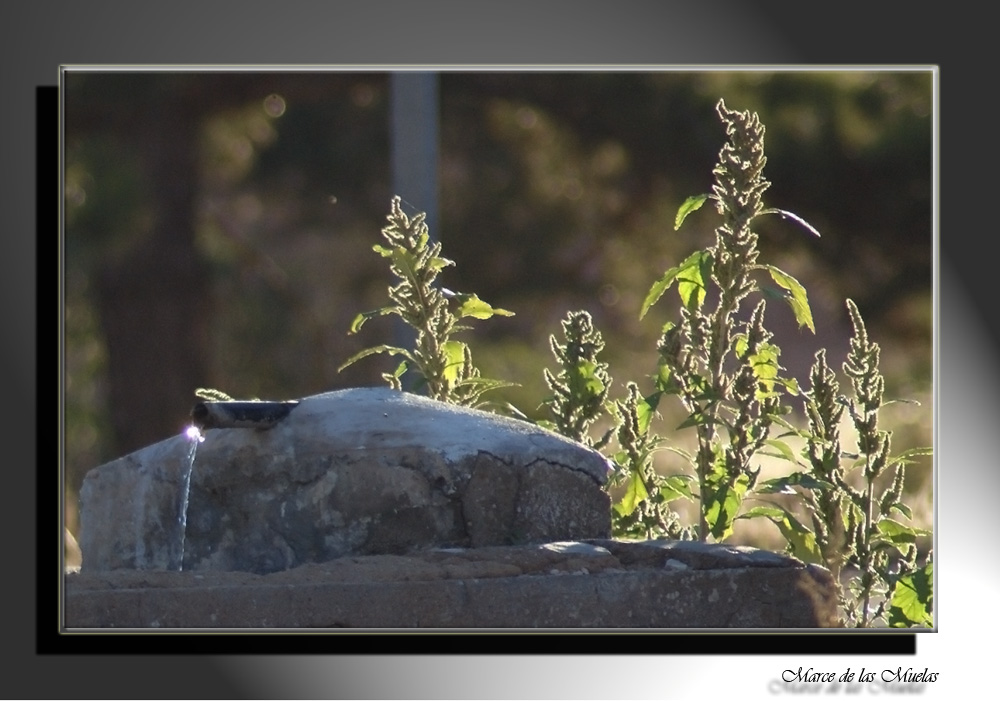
{"type": "Point", "coordinates": [40, 36]}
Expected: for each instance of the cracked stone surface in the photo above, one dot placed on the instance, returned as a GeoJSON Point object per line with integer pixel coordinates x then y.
{"type": "Point", "coordinates": [355, 472]}
{"type": "Point", "coordinates": [599, 583]}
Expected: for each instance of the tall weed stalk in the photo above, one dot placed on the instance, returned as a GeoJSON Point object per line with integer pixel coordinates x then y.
{"type": "Point", "coordinates": [724, 372]}
{"type": "Point", "coordinates": [443, 363]}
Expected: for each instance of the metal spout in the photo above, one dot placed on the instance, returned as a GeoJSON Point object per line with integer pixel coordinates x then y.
{"type": "Point", "coordinates": [259, 415]}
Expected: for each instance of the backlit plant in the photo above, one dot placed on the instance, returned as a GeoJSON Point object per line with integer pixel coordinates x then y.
{"type": "Point", "coordinates": [726, 375]}
{"type": "Point", "coordinates": [444, 364]}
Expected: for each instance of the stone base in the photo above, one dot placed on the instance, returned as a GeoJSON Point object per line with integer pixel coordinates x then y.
{"type": "Point", "coordinates": [592, 584]}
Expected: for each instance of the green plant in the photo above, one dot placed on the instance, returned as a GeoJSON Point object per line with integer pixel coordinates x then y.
{"type": "Point", "coordinates": [644, 508]}
{"type": "Point", "coordinates": [581, 386]}
{"type": "Point", "coordinates": [883, 549]}
{"type": "Point", "coordinates": [579, 398]}
{"type": "Point", "coordinates": [444, 364]}
{"type": "Point", "coordinates": [725, 372]}
{"type": "Point", "coordinates": [728, 380]}
{"type": "Point", "coordinates": [850, 526]}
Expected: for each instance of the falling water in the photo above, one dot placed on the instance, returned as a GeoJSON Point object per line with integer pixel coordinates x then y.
{"type": "Point", "coordinates": [194, 435]}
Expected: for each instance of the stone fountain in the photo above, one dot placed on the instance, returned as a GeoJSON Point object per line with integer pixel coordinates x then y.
{"type": "Point", "coordinates": [371, 508]}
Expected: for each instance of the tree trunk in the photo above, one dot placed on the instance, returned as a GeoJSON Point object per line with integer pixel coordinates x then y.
{"type": "Point", "coordinates": [153, 300]}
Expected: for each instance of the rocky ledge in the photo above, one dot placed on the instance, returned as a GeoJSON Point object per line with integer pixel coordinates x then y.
{"type": "Point", "coordinates": [595, 583]}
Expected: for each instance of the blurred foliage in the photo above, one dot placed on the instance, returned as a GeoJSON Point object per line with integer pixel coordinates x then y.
{"type": "Point", "coordinates": [558, 191]}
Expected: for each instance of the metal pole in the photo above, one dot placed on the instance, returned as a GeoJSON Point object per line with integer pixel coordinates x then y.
{"type": "Point", "coordinates": [413, 117]}
{"type": "Point", "coordinates": [414, 142]}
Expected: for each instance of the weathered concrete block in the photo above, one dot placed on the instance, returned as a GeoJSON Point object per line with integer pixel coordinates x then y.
{"type": "Point", "coordinates": [354, 472]}
{"type": "Point", "coordinates": [597, 584]}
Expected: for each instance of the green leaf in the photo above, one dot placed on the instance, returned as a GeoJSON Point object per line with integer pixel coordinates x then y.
{"type": "Point", "coordinates": [740, 344]}
{"type": "Point", "coordinates": [646, 410]}
{"type": "Point", "coordinates": [783, 448]}
{"type": "Point", "coordinates": [400, 369]}
{"type": "Point", "coordinates": [406, 262]}
{"type": "Point", "coordinates": [676, 487]}
{"type": "Point", "coordinates": [798, 300]}
{"type": "Point", "coordinates": [683, 453]}
{"type": "Point", "coordinates": [895, 532]}
{"type": "Point", "coordinates": [692, 272]}
{"type": "Point", "coordinates": [621, 460]}
{"type": "Point", "coordinates": [691, 204]}
{"type": "Point", "coordinates": [691, 278]}
{"type": "Point", "coordinates": [484, 384]}
{"type": "Point", "coordinates": [437, 263]}
{"type": "Point", "coordinates": [887, 402]}
{"type": "Point", "coordinates": [793, 430]}
{"type": "Point", "coordinates": [361, 318]}
{"type": "Point", "coordinates": [794, 217]}
{"type": "Point", "coordinates": [657, 290]}
{"type": "Point", "coordinates": [771, 512]}
{"type": "Point", "coordinates": [791, 385]}
{"type": "Point", "coordinates": [511, 410]}
{"type": "Point", "coordinates": [391, 350]}
{"type": "Point", "coordinates": [783, 485]}
{"type": "Point", "coordinates": [665, 381]}
{"type": "Point", "coordinates": [471, 305]}
{"type": "Point", "coordinates": [724, 505]}
{"type": "Point", "coordinates": [546, 424]}
{"type": "Point", "coordinates": [635, 494]}
{"type": "Point", "coordinates": [454, 352]}
{"type": "Point", "coordinates": [913, 599]}
{"type": "Point", "coordinates": [915, 451]}
{"type": "Point", "coordinates": [801, 541]}
{"type": "Point", "coordinates": [696, 418]}
{"type": "Point", "coordinates": [903, 509]}
{"type": "Point", "coordinates": [764, 364]}
{"type": "Point", "coordinates": [583, 379]}
{"type": "Point", "coordinates": [905, 456]}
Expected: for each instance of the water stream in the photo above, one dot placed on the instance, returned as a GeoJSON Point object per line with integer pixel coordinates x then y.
{"type": "Point", "coordinates": [193, 435]}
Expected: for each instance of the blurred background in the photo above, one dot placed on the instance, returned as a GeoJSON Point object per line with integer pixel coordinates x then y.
{"type": "Point", "coordinates": [219, 225]}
